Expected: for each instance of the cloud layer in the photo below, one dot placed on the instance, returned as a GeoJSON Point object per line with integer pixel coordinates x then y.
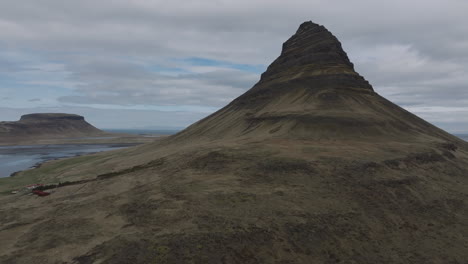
{"type": "Point", "coordinates": [192, 57]}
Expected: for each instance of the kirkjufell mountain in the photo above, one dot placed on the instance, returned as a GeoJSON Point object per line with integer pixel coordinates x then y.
{"type": "Point", "coordinates": [310, 165]}
{"type": "Point", "coordinates": [311, 91]}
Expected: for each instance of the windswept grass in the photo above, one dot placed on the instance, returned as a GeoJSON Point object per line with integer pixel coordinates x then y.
{"type": "Point", "coordinates": [50, 172]}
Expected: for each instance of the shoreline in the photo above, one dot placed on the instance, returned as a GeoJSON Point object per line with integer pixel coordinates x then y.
{"type": "Point", "coordinates": [132, 139]}
{"type": "Point", "coordinates": [112, 147]}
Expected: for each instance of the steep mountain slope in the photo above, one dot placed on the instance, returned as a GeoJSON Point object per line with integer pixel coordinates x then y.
{"type": "Point", "coordinates": [309, 166]}
{"type": "Point", "coordinates": [46, 125]}
{"type": "Point", "coordinates": [311, 91]}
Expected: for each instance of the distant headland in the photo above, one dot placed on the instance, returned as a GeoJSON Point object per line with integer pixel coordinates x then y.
{"type": "Point", "coordinates": [46, 125]}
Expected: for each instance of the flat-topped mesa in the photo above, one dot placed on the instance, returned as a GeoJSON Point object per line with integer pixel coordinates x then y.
{"type": "Point", "coordinates": [46, 126]}
{"type": "Point", "coordinates": [314, 53]}
{"type": "Point", "coordinates": [47, 117]}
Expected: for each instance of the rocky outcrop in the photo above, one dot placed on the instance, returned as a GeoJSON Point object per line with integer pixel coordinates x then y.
{"type": "Point", "coordinates": [314, 52]}
{"type": "Point", "coordinates": [46, 125]}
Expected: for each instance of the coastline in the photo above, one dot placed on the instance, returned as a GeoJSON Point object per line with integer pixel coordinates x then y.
{"type": "Point", "coordinates": [110, 141]}
{"type": "Point", "coordinates": [114, 139]}
{"type": "Point", "coordinates": [37, 165]}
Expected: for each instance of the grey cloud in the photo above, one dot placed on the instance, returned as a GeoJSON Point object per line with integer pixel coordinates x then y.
{"type": "Point", "coordinates": [125, 84]}
{"type": "Point", "coordinates": [414, 52]}
{"type": "Point", "coordinates": [174, 27]}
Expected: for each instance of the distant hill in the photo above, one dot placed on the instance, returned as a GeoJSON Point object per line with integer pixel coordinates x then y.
{"type": "Point", "coordinates": [46, 125]}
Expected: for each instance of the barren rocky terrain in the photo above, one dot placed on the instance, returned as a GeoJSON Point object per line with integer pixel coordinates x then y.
{"type": "Point", "coordinates": [311, 165]}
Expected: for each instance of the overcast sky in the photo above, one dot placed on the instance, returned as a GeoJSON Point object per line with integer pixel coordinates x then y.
{"type": "Point", "coordinates": [165, 64]}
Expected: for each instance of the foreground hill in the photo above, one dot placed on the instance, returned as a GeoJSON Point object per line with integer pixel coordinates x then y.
{"type": "Point", "coordinates": [46, 125]}
{"type": "Point", "coordinates": [311, 165]}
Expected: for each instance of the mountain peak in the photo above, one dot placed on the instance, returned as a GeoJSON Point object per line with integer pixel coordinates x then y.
{"type": "Point", "coordinates": [312, 51]}
{"type": "Point", "coordinates": [307, 25]}
{"type": "Point", "coordinates": [314, 39]}
{"type": "Point", "coordinates": [312, 92]}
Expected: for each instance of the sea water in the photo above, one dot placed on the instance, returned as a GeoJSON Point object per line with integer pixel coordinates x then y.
{"type": "Point", "coordinates": [17, 158]}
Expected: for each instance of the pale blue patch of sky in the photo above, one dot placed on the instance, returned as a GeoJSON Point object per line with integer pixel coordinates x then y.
{"type": "Point", "coordinates": [196, 61]}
